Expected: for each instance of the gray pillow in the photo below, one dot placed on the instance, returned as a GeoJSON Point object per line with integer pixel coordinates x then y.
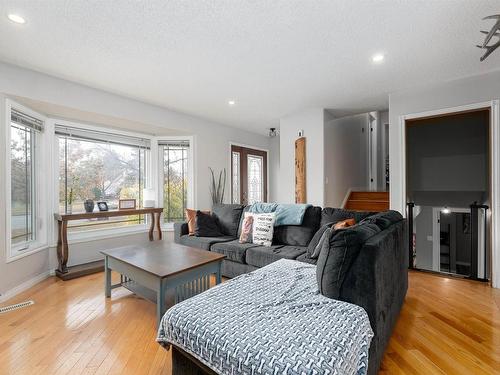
{"type": "Point", "coordinates": [206, 225]}
{"type": "Point", "coordinates": [228, 217]}
{"type": "Point", "coordinates": [316, 243]}
{"type": "Point", "coordinates": [337, 255]}
{"type": "Point", "coordinates": [324, 238]}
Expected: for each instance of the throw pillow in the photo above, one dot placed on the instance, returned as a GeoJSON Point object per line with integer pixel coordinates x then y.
{"type": "Point", "coordinates": [344, 224]}
{"type": "Point", "coordinates": [206, 225]}
{"type": "Point", "coordinates": [317, 239]}
{"type": "Point", "coordinates": [263, 228]}
{"type": "Point", "coordinates": [314, 247]}
{"type": "Point", "coordinates": [191, 220]}
{"type": "Point", "coordinates": [324, 238]}
{"type": "Point", "coordinates": [228, 217]}
{"type": "Point", "coordinates": [246, 228]}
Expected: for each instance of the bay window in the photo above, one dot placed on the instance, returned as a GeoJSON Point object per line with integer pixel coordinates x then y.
{"type": "Point", "coordinates": [26, 209]}
{"type": "Point", "coordinates": [100, 166]}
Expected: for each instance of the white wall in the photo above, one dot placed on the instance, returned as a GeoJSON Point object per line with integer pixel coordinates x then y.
{"type": "Point", "coordinates": [346, 159]}
{"type": "Point", "coordinates": [211, 150]}
{"type": "Point", "coordinates": [471, 90]}
{"type": "Point", "coordinates": [312, 122]}
{"type": "Point", "coordinates": [383, 148]}
{"type": "Point", "coordinates": [438, 96]}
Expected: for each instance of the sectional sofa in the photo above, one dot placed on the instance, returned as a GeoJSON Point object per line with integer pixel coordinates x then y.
{"type": "Point", "coordinates": [376, 279]}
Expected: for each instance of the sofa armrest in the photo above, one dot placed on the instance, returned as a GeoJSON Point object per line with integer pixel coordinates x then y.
{"type": "Point", "coordinates": [180, 229]}
{"type": "Point", "coordinates": [378, 281]}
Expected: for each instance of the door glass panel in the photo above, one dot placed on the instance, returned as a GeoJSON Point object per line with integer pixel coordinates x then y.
{"type": "Point", "coordinates": [236, 177]}
{"type": "Point", "coordinates": [255, 179]}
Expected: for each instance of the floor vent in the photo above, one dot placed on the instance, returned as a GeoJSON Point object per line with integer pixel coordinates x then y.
{"type": "Point", "coordinates": [7, 309]}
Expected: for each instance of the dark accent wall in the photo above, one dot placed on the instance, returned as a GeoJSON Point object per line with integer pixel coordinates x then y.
{"type": "Point", "coordinates": [448, 159]}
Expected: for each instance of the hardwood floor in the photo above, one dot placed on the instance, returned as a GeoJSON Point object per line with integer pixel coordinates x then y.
{"type": "Point", "coordinates": [447, 326]}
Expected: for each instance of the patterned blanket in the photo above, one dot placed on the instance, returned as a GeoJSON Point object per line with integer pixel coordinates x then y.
{"type": "Point", "coordinates": [270, 321]}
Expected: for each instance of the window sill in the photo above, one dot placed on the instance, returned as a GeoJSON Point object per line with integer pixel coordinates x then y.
{"type": "Point", "coordinates": [24, 253]}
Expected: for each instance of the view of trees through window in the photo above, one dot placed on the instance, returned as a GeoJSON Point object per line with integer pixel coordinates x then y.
{"type": "Point", "coordinates": [22, 190]}
{"type": "Point", "coordinates": [101, 172]}
{"type": "Point", "coordinates": [175, 180]}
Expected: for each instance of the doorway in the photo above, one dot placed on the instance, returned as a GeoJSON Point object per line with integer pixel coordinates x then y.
{"type": "Point", "coordinates": [448, 191]}
{"type": "Point", "coordinates": [248, 175]}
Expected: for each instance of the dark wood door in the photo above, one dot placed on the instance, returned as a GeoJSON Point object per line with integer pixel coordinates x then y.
{"type": "Point", "coordinates": [248, 175]}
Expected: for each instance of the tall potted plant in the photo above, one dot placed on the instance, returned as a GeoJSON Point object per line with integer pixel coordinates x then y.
{"type": "Point", "coordinates": [217, 186]}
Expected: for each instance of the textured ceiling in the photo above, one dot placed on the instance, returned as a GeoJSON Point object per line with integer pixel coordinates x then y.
{"type": "Point", "coordinates": [273, 57]}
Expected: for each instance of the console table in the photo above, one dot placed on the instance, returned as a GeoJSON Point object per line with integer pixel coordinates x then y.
{"type": "Point", "coordinates": [64, 272]}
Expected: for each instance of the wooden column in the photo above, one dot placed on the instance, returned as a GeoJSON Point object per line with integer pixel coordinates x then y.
{"type": "Point", "coordinates": [300, 171]}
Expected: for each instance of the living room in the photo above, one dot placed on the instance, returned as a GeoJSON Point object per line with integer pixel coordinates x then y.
{"type": "Point", "coordinates": [152, 150]}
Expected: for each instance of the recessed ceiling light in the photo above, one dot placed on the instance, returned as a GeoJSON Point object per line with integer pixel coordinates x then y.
{"type": "Point", "coordinates": [378, 58]}
{"type": "Point", "coordinates": [16, 18]}
{"type": "Point", "coordinates": [231, 102]}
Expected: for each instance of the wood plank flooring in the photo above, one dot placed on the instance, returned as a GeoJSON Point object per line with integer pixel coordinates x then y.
{"type": "Point", "coordinates": [447, 326]}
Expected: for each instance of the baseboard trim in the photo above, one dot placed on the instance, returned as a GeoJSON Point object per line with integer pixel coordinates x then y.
{"type": "Point", "coordinates": [24, 286]}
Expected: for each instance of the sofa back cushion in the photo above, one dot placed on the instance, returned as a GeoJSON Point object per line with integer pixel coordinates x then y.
{"type": "Point", "coordinates": [299, 235]}
{"type": "Point", "coordinates": [334, 215]}
{"type": "Point", "coordinates": [384, 219]}
{"type": "Point", "coordinates": [228, 217]}
{"type": "Point", "coordinates": [338, 254]}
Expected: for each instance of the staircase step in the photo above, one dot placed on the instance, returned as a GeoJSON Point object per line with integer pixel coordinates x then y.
{"type": "Point", "coordinates": [370, 195]}
{"type": "Point", "coordinates": [367, 205]}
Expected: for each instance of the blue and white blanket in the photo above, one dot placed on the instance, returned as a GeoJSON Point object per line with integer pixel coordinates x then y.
{"type": "Point", "coordinates": [286, 214]}
{"type": "Point", "coordinates": [271, 321]}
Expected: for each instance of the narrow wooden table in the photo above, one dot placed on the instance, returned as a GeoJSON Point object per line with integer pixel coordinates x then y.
{"type": "Point", "coordinates": [64, 272]}
{"type": "Point", "coordinates": [150, 270]}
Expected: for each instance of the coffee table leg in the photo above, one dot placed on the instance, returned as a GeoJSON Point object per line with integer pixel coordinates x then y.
{"type": "Point", "coordinates": [218, 276]}
{"type": "Point", "coordinates": [107, 278]}
{"type": "Point", "coordinates": [160, 303]}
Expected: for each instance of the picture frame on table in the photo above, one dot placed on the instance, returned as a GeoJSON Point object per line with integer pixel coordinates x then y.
{"type": "Point", "coordinates": [127, 204]}
{"type": "Point", "coordinates": [103, 206]}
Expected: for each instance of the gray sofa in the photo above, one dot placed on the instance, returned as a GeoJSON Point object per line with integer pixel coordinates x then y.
{"type": "Point", "coordinates": [377, 279]}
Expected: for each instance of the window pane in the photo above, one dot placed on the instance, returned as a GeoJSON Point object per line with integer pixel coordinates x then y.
{"type": "Point", "coordinates": [175, 182]}
{"type": "Point", "coordinates": [101, 172]}
{"type": "Point", "coordinates": [236, 177]}
{"type": "Point", "coordinates": [22, 192]}
{"type": "Point", "coordinates": [255, 179]}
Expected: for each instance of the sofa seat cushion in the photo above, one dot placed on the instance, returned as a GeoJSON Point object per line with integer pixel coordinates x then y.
{"type": "Point", "coordinates": [203, 242]}
{"type": "Point", "coordinates": [261, 256]}
{"type": "Point", "coordinates": [299, 235]}
{"type": "Point", "coordinates": [233, 250]}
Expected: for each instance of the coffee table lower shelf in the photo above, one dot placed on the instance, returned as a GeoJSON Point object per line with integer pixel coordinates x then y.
{"type": "Point", "coordinates": [138, 289]}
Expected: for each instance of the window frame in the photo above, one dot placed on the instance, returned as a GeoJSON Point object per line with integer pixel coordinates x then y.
{"type": "Point", "coordinates": [99, 233]}
{"type": "Point", "coordinates": [191, 188]}
{"type": "Point", "coordinates": [42, 222]}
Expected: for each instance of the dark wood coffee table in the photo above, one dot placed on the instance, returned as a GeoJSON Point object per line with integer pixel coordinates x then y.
{"type": "Point", "coordinates": [152, 269]}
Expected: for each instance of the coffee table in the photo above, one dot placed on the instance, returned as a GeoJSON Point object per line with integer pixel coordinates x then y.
{"type": "Point", "coordinates": [149, 270]}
